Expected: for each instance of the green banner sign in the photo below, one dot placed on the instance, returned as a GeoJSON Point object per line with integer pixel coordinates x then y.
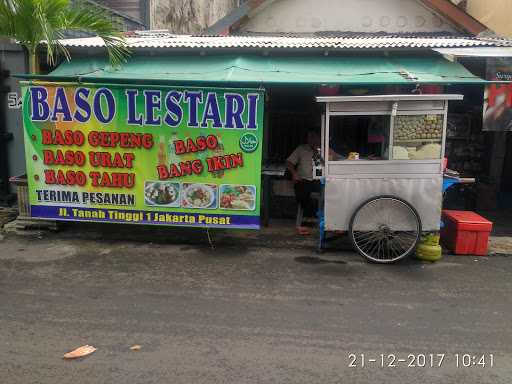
{"type": "Point", "coordinates": [146, 155]}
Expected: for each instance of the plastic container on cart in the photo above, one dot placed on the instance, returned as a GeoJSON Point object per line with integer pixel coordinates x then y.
{"type": "Point", "coordinates": [465, 232]}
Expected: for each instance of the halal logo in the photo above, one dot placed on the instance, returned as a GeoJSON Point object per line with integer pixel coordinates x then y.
{"type": "Point", "coordinates": [248, 142]}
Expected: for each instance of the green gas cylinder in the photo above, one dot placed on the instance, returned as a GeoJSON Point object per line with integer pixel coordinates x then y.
{"type": "Point", "coordinates": [429, 248]}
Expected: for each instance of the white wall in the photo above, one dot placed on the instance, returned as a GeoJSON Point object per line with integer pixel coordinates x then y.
{"type": "Point", "coordinates": [494, 14]}
{"type": "Point", "coordinates": [307, 16]}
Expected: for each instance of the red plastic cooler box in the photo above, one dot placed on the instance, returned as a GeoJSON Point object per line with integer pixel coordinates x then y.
{"type": "Point", "coordinates": [465, 232]}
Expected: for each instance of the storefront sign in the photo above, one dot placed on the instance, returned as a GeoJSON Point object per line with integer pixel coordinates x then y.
{"type": "Point", "coordinates": [146, 155]}
{"type": "Point", "coordinates": [498, 97]}
{"type": "Point", "coordinates": [14, 101]}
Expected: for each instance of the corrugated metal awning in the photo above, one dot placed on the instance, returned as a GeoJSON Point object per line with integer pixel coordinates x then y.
{"type": "Point", "coordinates": [256, 69]}
{"type": "Point", "coordinates": [161, 40]}
{"type": "Point", "coordinates": [476, 51]}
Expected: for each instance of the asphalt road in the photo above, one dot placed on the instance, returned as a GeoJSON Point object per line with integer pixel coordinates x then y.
{"type": "Point", "coordinates": [235, 315]}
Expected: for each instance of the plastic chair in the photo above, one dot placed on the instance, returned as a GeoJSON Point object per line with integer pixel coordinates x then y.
{"type": "Point", "coordinates": [447, 183]}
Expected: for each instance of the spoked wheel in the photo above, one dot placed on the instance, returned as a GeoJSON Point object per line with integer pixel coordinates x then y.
{"type": "Point", "coordinates": [385, 229]}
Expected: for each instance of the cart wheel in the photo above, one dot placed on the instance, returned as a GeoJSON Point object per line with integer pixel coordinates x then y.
{"type": "Point", "coordinates": [385, 229]}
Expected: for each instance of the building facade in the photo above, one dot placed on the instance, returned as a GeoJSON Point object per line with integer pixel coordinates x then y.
{"type": "Point", "coordinates": [188, 16]}
{"type": "Point", "coordinates": [495, 14]}
{"type": "Point", "coordinates": [12, 157]}
{"type": "Point", "coordinates": [323, 28]}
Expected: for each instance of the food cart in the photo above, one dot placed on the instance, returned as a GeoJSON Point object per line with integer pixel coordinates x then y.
{"type": "Point", "coordinates": [388, 189]}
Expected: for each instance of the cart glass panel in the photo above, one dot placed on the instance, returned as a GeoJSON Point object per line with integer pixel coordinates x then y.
{"type": "Point", "coordinates": [359, 137]}
{"type": "Point", "coordinates": [418, 137]}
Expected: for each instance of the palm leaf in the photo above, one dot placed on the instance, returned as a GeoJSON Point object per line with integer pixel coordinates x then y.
{"type": "Point", "coordinates": [6, 19]}
{"type": "Point", "coordinates": [32, 22]}
{"type": "Point", "coordinates": [89, 18]}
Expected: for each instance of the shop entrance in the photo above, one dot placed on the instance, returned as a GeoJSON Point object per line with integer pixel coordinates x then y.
{"type": "Point", "coordinates": [506, 178]}
{"type": "Point", "coordinates": [290, 113]}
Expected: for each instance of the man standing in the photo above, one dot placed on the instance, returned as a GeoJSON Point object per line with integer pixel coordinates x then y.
{"type": "Point", "coordinates": [300, 166]}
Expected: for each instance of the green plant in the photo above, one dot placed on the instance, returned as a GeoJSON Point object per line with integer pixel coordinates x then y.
{"type": "Point", "coordinates": [36, 22]}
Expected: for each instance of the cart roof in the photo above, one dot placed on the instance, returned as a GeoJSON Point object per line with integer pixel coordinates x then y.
{"type": "Point", "coordinates": [336, 99]}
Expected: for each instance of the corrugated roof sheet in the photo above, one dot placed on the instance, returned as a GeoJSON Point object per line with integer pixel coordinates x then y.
{"type": "Point", "coordinates": [162, 39]}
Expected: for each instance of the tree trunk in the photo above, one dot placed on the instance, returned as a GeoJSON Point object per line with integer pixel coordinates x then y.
{"type": "Point", "coordinates": [33, 65]}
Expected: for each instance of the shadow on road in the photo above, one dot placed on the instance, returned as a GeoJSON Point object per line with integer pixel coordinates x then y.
{"type": "Point", "coordinates": [317, 260]}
